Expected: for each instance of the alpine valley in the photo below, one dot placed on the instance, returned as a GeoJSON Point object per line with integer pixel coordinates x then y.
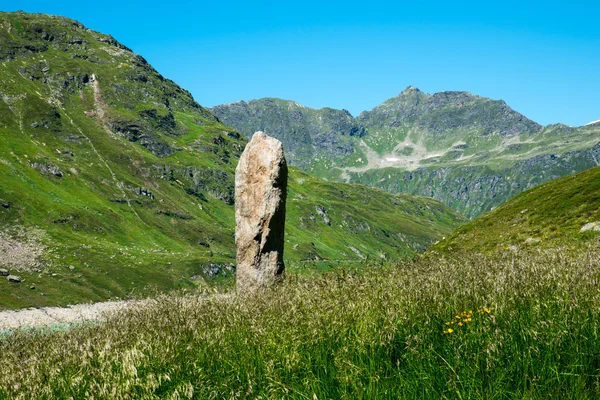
{"type": "Point", "coordinates": [470, 152]}
{"type": "Point", "coordinates": [115, 182]}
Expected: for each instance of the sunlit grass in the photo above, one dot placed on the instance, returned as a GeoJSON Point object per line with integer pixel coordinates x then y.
{"type": "Point", "coordinates": [520, 325]}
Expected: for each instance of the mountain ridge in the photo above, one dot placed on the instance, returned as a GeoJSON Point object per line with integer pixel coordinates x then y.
{"type": "Point", "coordinates": [411, 140]}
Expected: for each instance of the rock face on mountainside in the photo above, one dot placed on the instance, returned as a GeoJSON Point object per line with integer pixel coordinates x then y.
{"type": "Point", "coordinates": [115, 181]}
{"type": "Point", "coordinates": [260, 193]}
{"type": "Point", "coordinates": [304, 132]}
{"type": "Point", "coordinates": [470, 152]}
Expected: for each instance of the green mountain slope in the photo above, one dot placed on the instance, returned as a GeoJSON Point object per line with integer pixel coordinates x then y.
{"type": "Point", "coordinates": [114, 181]}
{"type": "Point", "coordinates": [562, 211]}
{"type": "Point", "coordinates": [470, 152]}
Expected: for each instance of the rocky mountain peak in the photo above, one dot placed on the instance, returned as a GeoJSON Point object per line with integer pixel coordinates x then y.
{"type": "Point", "coordinates": [410, 90]}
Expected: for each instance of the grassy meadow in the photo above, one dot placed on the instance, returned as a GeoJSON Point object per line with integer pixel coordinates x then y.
{"type": "Point", "coordinates": [522, 324]}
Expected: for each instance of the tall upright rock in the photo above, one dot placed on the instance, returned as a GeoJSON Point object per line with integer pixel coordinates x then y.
{"type": "Point", "coordinates": [260, 193]}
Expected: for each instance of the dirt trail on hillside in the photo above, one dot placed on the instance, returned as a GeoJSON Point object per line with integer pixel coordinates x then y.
{"type": "Point", "coordinates": [47, 316]}
{"type": "Point", "coordinates": [37, 317]}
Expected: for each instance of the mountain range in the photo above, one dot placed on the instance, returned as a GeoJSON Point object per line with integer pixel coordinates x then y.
{"type": "Point", "coordinates": [470, 152]}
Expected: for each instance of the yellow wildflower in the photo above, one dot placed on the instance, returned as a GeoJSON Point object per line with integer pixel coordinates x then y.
{"type": "Point", "coordinates": [487, 310]}
{"type": "Point", "coordinates": [460, 324]}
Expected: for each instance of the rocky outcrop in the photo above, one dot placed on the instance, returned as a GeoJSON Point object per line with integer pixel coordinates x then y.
{"type": "Point", "coordinates": [260, 194]}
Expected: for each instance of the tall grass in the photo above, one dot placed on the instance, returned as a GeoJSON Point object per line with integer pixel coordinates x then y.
{"type": "Point", "coordinates": [510, 326]}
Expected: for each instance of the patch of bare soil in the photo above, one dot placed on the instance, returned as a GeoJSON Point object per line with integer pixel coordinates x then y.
{"type": "Point", "coordinates": [21, 249]}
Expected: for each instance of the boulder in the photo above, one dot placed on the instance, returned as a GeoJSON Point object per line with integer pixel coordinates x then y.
{"type": "Point", "coordinates": [14, 278]}
{"type": "Point", "coordinates": [3, 272]}
{"type": "Point", "coordinates": [260, 194]}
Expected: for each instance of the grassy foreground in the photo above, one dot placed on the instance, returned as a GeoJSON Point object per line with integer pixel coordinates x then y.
{"type": "Point", "coordinates": [518, 325]}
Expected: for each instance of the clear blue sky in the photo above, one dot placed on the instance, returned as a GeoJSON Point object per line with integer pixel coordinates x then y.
{"type": "Point", "coordinates": [542, 58]}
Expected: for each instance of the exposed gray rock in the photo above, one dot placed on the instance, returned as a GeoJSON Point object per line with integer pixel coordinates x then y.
{"type": "Point", "coordinates": [47, 169]}
{"type": "Point", "coordinates": [322, 212]}
{"type": "Point", "coordinates": [357, 252]}
{"type": "Point", "coordinates": [214, 270]}
{"type": "Point", "coordinates": [3, 272]}
{"type": "Point", "coordinates": [260, 194]}
{"type": "Point", "coordinates": [14, 278]}
{"type": "Point", "coordinates": [592, 226]}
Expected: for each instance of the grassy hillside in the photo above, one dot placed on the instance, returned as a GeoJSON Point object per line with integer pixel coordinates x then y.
{"type": "Point", "coordinates": [546, 216]}
{"type": "Point", "coordinates": [519, 327]}
{"type": "Point", "coordinates": [115, 182]}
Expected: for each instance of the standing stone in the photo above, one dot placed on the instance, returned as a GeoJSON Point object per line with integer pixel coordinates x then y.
{"type": "Point", "coordinates": [260, 192]}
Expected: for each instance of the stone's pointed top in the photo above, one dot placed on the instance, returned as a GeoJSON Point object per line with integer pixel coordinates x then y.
{"type": "Point", "coordinates": [260, 135]}
{"type": "Point", "coordinates": [410, 89]}
{"type": "Point", "coordinates": [263, 136]}
{"type": "Point", "coordinates": [270, 142]}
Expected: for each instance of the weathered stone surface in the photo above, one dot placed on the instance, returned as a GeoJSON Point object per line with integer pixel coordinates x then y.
{"type": "Point", "coordinates": [14, 279]}
{"type": "Point", "coordinates": [3, 272]}
{"type": "Point", "coordinates": [260, 194]}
